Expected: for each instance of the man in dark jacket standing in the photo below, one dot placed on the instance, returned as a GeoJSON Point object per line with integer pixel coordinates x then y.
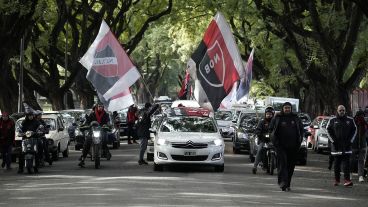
{"type": "Point", "coordinates": [342, 131]}
{"type": "Point", "coordinates": [143, 126]}
{"type": "Point", "coordinates": [7, 136]}
{"type": "Point", "coordinates": [287, 134]}
{"type": "Point", "coordinates": [360, 143]}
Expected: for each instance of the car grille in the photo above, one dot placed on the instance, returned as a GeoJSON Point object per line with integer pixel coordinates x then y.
{"type": "Point", "coordinates": [189, 158]}
{"type": "Point", "coordinates": [189, 145]}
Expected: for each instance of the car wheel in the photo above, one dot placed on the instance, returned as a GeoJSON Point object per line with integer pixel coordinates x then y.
{"type": "Point", "coordinates": [149, 156]}
{"type": "Point", "coordinates": [66, 152]}
{"type": "Point", "coordinates": [157, 167]}
{"type": "Point", "coordinates": [220, 168]}
{"type": "Point", "coordinates": [236, 151]}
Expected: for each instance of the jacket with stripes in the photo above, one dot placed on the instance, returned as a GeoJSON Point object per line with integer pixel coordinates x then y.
{"type": "Point", "coordinates": [342, 131]}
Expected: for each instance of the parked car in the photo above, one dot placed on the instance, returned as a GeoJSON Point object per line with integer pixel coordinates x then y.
{"type": "Point", "coordinates": [151, 142]}
{"type": "Point", "coordinates": [58, 141]}
{"type": "Point", "coordinates": [322, 136]}
{"type": "Point", "coordinates": [189, 136]}
{"type": "Point", "coordinates": [122, 116]}
{"type": "Point", "coordinates": [311, 141]}
{"type": "Point", "coordinates": [224, 122]}
{"type": "Point", "coordinates": [244, 128]}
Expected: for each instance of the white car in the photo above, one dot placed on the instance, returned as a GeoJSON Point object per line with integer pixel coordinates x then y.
{"type": "Point", "coordinates": [188, 136]}
{"type": "Point", "coordinates": [58, 141]}
{"type": "Point", "coordinates": [322, 136]}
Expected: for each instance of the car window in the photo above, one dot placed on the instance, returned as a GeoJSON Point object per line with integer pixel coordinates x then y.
{"type": "Point", "coordinates": [50, 122]}
{"type": "Point", "coordinates": [223, 115]}
{"type": "Point", "coordinates": [249, 120]}
{"type": "Point", "coordinates": [188, 124]}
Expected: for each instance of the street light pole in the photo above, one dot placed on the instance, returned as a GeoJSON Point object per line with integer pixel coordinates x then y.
{"type": "Point", "coordinates": [20, 98]}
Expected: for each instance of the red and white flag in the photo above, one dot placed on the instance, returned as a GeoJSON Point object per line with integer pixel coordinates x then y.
{"type": "Point", "coordinates": [110, 70]}
{"type": "Point", "coordinates": [183, 93]}
{"type": "Point", "coordinates": [120, 101]}
{"type": "Point", "coordinates": [216, 64]}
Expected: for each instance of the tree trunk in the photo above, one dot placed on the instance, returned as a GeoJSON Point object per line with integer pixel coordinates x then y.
{"type": "Point", "coordinates": [8, 87]}
{"type": "Point", "coordinates": [57, 101]}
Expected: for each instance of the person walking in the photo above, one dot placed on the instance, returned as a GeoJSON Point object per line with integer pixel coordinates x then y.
{"type": "Point", "coordinates": [360, 144]}
{"type": "Point", "coordinates": [287, 135]}
{"type": "Point", "coordinates": [342, 132]}
{"type": "Point", "coordinates": [131, 119]}
{"type": "Point", "coordinates": [7, 136]}
{"type": "Point", "coordinates": [261, 131]}
{"type": "Point", "coordinates": [143, 126]}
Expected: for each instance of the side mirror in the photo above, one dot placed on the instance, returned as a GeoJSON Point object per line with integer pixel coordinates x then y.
{"type": "Point", "coordinates": [48, 126]}
{"type": "Point", "coordinates": [234, 120]}
{"type": "Point", "coordinates": [60, 129]}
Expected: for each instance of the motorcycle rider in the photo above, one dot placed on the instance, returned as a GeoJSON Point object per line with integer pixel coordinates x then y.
{"type": "Point", "coordinates": [101, 116]}
{"type": "Point", "coordinates": [261, 131]}
{"type": "Point", "coordinates": [28, 124]}
{"type": "Point", "coordinates": [44, 146]}
{"type": "Point", "coordinates": [7, 133]}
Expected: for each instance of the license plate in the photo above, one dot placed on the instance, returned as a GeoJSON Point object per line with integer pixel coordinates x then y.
{"type": "Point", "coordinates": [189, 153]}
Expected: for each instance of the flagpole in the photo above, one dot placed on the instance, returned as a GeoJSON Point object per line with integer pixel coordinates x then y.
{"type": "Point", "coordinates": [145, 84]}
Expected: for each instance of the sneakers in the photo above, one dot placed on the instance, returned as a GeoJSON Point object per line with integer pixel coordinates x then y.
{"type": "Point", "coordinates": [348, 183]}
{"type": "Point", "coordinates": [361, 179]}
{"type": "Point", "coordinates": [254, 170]}
{"type": "Point", "coordinates": [142, 162]}
{"type": "Point", "coordinates": [288, 189]}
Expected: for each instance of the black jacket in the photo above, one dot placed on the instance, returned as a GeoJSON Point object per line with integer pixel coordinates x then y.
{"type": "Point", "coordinates": [144, 121]}
{"type": "Point", "coordinates": [342, 131]}
{"type": "Point", "coordinates": [287, 131]}
{"type": "Point", "coordinates": [262, 129]}
{"type": "Point", "coordinates": [92, 117]}
{"type": "Point", "coordinates": [29, 125]}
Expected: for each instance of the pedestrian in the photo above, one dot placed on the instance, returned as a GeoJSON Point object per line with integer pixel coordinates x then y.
{"type": "Point", "coordinates": [342, 132]}
{"type": "Point", "coordinates": [360, 144]}
{"type": "Point", "coordinates": [131, 119]}
{"type": "Point", "coordinates": [287, 135]}
{"type": "Point", "coordinates": [7, 136]}
{"type": "Point", "coordinates": [143, 126]}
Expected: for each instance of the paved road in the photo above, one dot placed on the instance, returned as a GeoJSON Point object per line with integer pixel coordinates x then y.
{"type": "Point", "coordinates": [122, 182]}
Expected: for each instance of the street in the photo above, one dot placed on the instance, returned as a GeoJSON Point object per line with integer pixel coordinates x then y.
{"type": "Point", "coordinates": [122, 182]}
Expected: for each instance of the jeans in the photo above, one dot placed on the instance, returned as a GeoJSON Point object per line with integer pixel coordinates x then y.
{"type": "Point", "coordinates": [143, 147]}
{"type": "Point", "coordinates": [131, 132]}
{"type": "Point", "coordinates": [285, 165]}
{"type": "Point", "coordinates": [345, 161]}
{"type": "Point", "coordinates": [259, 156]}
{"type": "Point", "coordinates": [6, 151]}
{"type": "Point", "coordinates": [361, 154]}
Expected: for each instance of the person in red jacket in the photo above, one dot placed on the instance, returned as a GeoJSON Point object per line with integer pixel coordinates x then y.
{"type": "Point", "coordinates": [131, 119]}
{"type": "Point", "coordinates": [7, 136]}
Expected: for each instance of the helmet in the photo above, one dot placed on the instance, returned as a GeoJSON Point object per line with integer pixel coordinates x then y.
{"type": "Point", "coordinates": [270, 109]}
{"type": "Point", "coordinates": [28, 112]}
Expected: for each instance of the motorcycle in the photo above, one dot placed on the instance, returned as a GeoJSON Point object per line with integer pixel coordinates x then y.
{"type": "Point", "coordinates": [30, 141]}
{"type": "Point", "coordinates": [98, 135]}
{"type": "Point", "coordinates": [269, 157]}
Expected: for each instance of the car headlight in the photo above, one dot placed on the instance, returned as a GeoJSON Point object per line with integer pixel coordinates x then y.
{"type": "Point", "coordinates": [161, 141]}
{"type": "Point", "coordinates": [216, 142]}
{"type": "Point", "coordinates": [96, 133]}
{"type": "Point", "coordinates": [242, 135]}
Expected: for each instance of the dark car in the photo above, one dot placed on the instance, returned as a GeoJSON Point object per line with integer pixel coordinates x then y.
{"type": "Point", "coordinates": [244, 130]}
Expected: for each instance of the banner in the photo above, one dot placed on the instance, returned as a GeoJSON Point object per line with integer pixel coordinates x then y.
{"type": "Point", "coordinates": [109, 68]}
{"type": "Point", "coordinates": [118, 102]}
{"type": "Point", "coordinates": [244, 86]}
{"type": "Point", "coordinates": [215, 65]}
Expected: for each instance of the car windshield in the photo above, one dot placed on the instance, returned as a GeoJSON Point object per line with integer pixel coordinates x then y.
{"type": "Point", "coordinates": [50, 122]}
{"type": "Point", "coordinates": [223, 115]}
{"type": "Point", "coordinates": [249, 120]}
{"type": "Point", "coordinates": [188, 124]}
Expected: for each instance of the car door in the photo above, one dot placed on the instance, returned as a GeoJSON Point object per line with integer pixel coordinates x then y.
{"type": "Point", "coordinates": [61, 134]}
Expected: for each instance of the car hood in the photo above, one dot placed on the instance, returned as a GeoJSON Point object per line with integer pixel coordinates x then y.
{"type": "Point", "coordinates": [222, 123]}
{"type": "Point", "coordinates": [185, 136]}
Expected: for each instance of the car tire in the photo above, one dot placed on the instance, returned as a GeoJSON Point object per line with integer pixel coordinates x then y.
{"type": "Point", "coordinates": [220, 168]}
{"type": "Point", "coordinates": [149, 156]}
{"type": "Point", "coordinates": [157, 167]}
{"type": "Point", "coordinates": [236, 151]}
{"type": "Point", "coordinates": [66, 151]}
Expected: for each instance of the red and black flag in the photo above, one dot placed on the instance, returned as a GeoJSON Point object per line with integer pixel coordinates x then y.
{"type": "Point", "coordinates": [183, 93]}
{"type": "Point", "coordinates": [216, 64]}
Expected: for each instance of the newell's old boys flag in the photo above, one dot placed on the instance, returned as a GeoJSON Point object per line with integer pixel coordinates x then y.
{"type": "Point", "coordinates": [109, 68]}
{"type": "Point", "coordinates": [216, 64]}
{"type": "Point", "coordinates": [244, 87]}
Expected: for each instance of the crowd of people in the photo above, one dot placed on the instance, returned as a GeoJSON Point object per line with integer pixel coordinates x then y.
{"type": "Point", "coordinates": [348, 138]}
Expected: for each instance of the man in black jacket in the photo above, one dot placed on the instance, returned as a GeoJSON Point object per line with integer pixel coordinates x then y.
{"type": "Point", "coordinates": [287, 131]}
{"type": "Point", "coordinates": [342, 132]}
{"type": "Point", "coordinates": [102, 117]}
{"type": "Point", "coordinates": [143, 126]}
